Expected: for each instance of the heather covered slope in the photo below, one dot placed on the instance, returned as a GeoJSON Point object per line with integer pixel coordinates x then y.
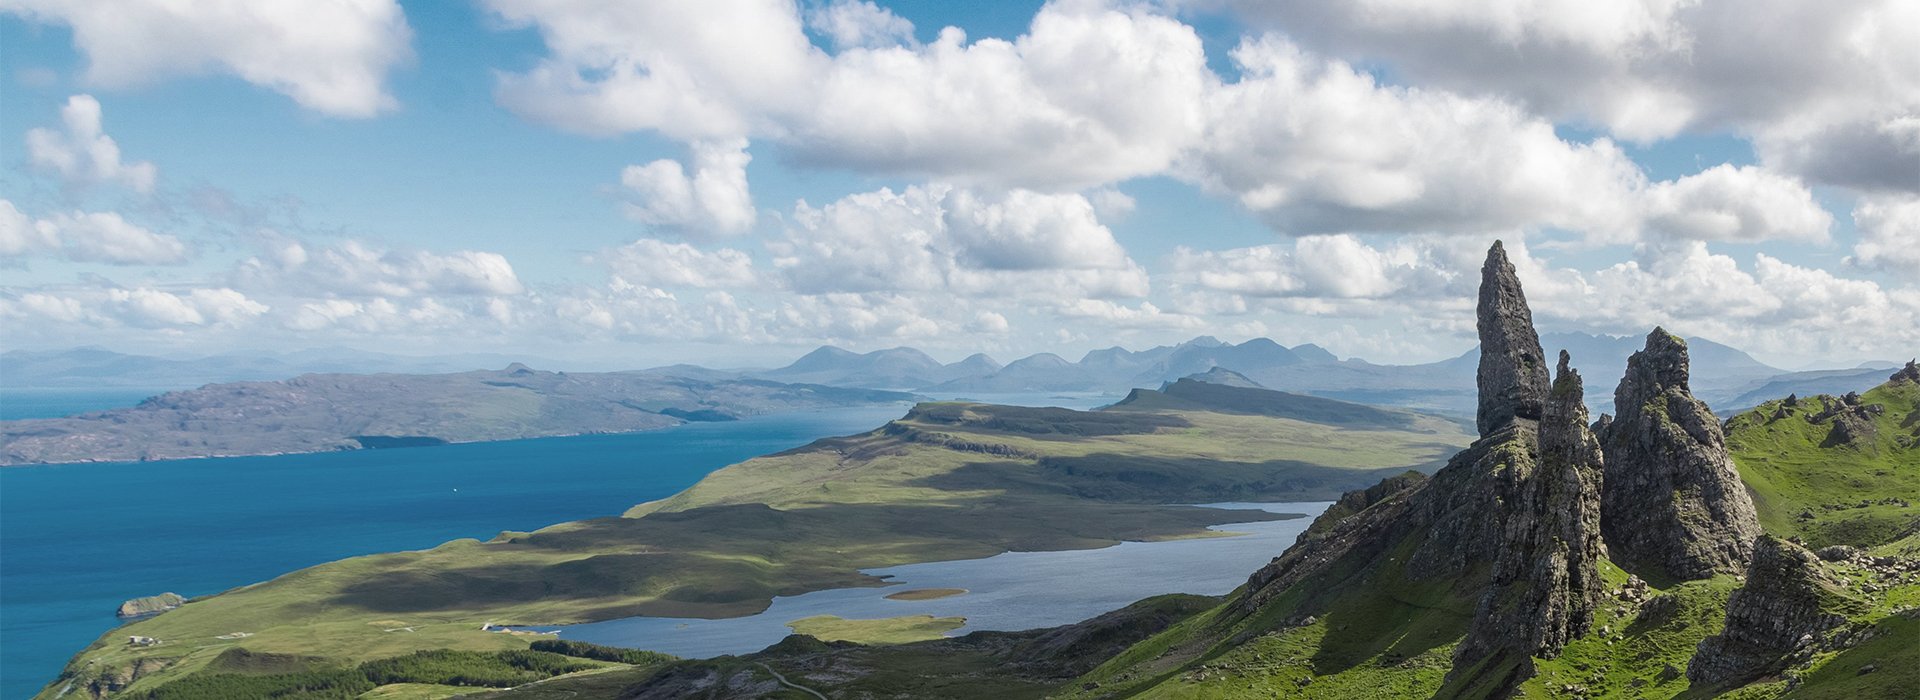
{"type": "Point", "coordinates": [946, 481]}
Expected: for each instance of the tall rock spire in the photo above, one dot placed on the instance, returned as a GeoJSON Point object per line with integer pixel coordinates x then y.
{"type": "Point", "coordinates": [1513, 370]}
{"type": "Point", "coordinates": [1546, 579]}
{"type": "Point", "coordinates": [1673, 506]}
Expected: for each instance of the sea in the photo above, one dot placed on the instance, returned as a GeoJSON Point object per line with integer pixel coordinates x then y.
{"type": "Point", "coordinates": [77, 540]}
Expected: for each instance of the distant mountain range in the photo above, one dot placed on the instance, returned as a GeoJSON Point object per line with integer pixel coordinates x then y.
{"type": "Point", "coordinates": [91, 367]}
{"type": "Point", "coordinates": [1725, 377]}
{"type": "Point", "coordinates": [329, 412]}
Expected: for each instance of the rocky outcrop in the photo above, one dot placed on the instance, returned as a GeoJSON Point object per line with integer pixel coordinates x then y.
{"type": "Point", "coordinates": [1909, 374]}
{"type": "Point", "coordinates": [1786, 606]}
{"type": "Point", "coordinates": [1673, 507]}
{"type": "Point", "coordinates": [150, 605]}
{"type": "Point", "coordinates": [1546, 580]}
{"type": "Point", "coordinates": [1513, 371]}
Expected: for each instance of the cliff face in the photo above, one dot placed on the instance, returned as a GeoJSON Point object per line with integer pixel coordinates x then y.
{"type": "Point", "coordinates": [1673, 507]}
{"type": "Point", "coordinates": [1784, 606]}
{"type": "Point", "coordinates": [1513, 372]}
{"type": "Point", "coordinates": [1546, 579]}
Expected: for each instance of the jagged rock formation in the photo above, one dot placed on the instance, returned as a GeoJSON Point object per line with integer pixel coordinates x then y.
{"type": "Point", "coordinates": [1546, 581]}
{"type": "Point", "coordinates": [1673, 507]}
{"type": "Point", "coordinates": [1513, 371]}
{"type": "Point", "coordinates": [1785, 606]}
{"type": "Point", "coordinates": [1909, 373]}
{"type": "Point", "coordinates": [1525, 498]}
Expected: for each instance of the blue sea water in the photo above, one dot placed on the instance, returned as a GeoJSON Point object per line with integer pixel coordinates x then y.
{"type": "Point", "coordinates": [16, 403]}
{"type": "Point", "coordinates": [76, 540]}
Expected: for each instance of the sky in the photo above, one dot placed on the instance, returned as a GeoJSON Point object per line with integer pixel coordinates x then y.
{"type": "Point", "coordinates": [733, 182]}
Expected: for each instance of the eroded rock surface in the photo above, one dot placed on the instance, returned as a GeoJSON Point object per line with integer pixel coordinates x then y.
{"type": "Point", "coordinates": [1546, 581]}
{"type": "Point", "coordinates": [1513, 372]}
{"type": "Point", "coordinates": [1673, 507]}
{"type": "Point", "coordinates": [1786, 605]}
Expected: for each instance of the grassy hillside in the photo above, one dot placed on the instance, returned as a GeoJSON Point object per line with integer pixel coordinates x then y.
{"type": "Point", "coordinates": [947, 481]}
{"type": "Point", "coordinates": [1831, 473]}
{"type": "Point", "coordinates": [1822, 469]}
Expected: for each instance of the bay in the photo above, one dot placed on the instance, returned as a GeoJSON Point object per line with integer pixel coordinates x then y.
{"type": "Point", "coordinates": [76, 540]}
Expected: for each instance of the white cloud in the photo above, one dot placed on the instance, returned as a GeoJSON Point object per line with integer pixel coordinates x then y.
{"type": "Point", "coordinates": [1737, 204]}
{"type": "Point", "coordinates": [102, 237]}
{"type": "Point", "coordinates": [1337, 267]}
{"type": "Point", "coordinates": [1025, 230]}
{"type": "Point", "coordinates": [1889, 234]}
{"type": "Point", "coordinates": [142, 307]}
{"type": "Point", "coordinates": [859, 24]}
{"type": "Point", "coordinates": [353, 269]}
{"type": "Point", "coordinates": [1646, 69]}
{"type": "Point", "coordinates": [331, 56]}
{"type": "Point", "coordinates": [1316, 146]}
{"type": "Point", "coordinates": [21, 236]}
{"type": "Point", "coordinates": [1089, 95]}
{"type": "Point", "coordinates": [82, 153]}
{"type": "Point", "coordinates": [1771, 307]}
{"type": "Point", "coordinates": [940, 238]}
{"type": "Point", "coordinates": [1113, 205]}
{"type": "Point", "coordinates": [660, 264]}
{"type": "Point", "coordinates": [712, 201]}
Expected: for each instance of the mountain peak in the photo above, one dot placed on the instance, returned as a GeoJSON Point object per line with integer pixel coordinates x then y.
{"type": "Point", "coordinates": [1314, 353]}
{"type": "Point", "coordinates": [1513, 371]}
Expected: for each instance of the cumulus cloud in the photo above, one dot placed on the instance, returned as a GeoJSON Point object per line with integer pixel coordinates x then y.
{"type": "Point", "coordinates": [661, 264]}
{"type": "Point", "coordinates": [1889, 234]}
{"type": "Point", "coordinates": [1336, 267]}
{"type": "Point", "coordinates": [859, 24]}
{"type": "Point", "coordinates": [1646, 69]}
{"type": "Point", "coordinates": [1089, 95]}
{"type": "Point", "coordinates": [102, 237]}
{"type": "Point", "coordinates": [710, 201]}
{"type": "Point", "coordinates": [1737, 203]}
{"type": "Point", "coordinates": [82, 153]}
{"type": "Point", "coordinates": [142, 307]}
{"type": "Point", "coordinates": [1314, 145]}
{"type": "Point", "coordinates": [331, 56]}
{"type": "Point", "coordinates": [956, 240]}
{"type": "Point", "coordinates": [353, 269]}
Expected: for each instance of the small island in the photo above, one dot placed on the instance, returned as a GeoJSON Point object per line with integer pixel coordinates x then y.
{"type": "Point", "coordinates": [927, 594]}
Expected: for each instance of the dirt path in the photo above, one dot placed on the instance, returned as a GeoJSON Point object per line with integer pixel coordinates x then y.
{"type": "Point", "coordinates": [796, 686]}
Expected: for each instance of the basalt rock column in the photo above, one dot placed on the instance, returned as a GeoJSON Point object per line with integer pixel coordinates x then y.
{"type": "Point", "coordinates": [1546, 580]}
{"type": "Point", "coordinates": [1673, 507]}
{"type": "Point", "coordinates": [1513, 371]}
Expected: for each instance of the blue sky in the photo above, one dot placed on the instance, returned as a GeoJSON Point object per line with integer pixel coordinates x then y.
{"type": "Point", "coordinates": [623, 186]}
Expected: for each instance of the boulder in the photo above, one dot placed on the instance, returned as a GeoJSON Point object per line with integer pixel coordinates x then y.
{"type": "Point", "coordinates": [1786, 607]}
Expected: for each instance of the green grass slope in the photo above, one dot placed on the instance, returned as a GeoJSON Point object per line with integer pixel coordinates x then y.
{"type": "Point", "coordinates": [947, 481]}
{"type": "Point", "coordinates": [1361, 629]}
{"type": "Point", "coordinates": [1810, 482]}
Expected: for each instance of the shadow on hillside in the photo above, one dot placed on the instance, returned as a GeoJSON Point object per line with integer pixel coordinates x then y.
{"type": "Point", "coordinates": [732, 560]}
{"type": "Point", "coordinates": [1120, 478]}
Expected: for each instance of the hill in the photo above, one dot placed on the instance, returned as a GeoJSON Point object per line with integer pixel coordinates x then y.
{"type": "Point", "coordinates": [945, 481]}
{"type": "Point", "coordinates": [327, 412]}
{"type": "Point", "coordinates": [897, 368]}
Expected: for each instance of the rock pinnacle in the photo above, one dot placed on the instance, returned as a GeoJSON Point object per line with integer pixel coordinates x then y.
{"type": "Point", "coordinates": [1513, 370]}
